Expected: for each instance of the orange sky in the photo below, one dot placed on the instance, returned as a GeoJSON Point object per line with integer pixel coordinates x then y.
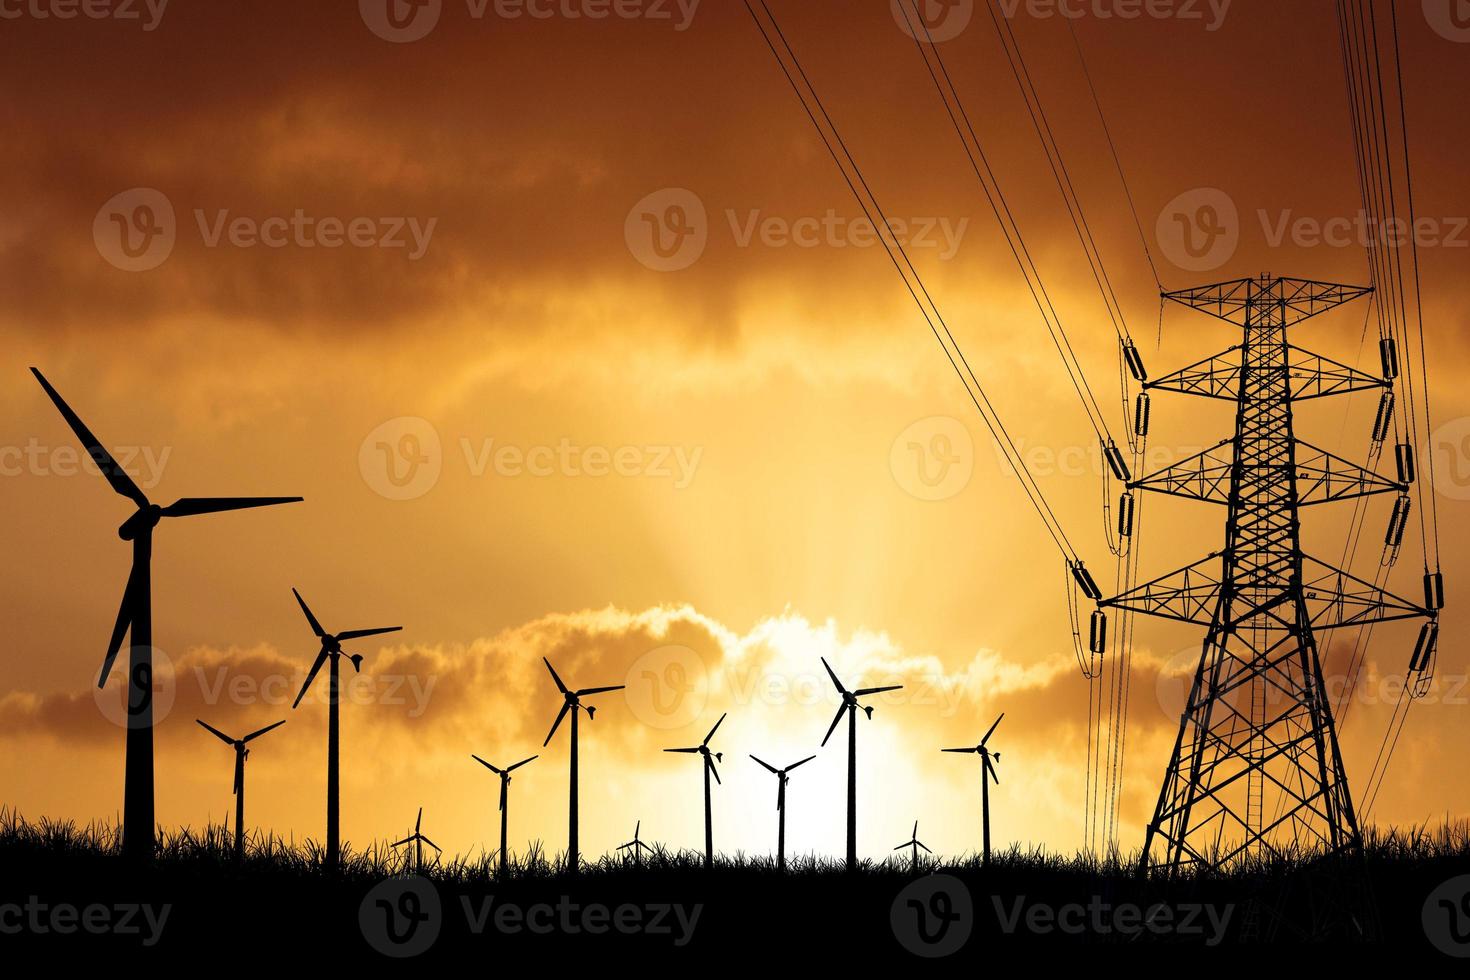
{"type": "Point", "coordinates": [746, 501]}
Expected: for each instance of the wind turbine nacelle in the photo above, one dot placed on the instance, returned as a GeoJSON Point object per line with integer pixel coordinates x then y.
{"type": "Point", "coordinates": [145, 519]}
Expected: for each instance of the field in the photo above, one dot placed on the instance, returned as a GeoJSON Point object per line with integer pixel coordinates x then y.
{"type": "Point", "coordinates": [66, 890]}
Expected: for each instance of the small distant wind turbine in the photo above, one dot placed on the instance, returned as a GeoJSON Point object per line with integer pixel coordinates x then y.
{"type": "Point", "coordinates": [782, 775]}
{"type": "Point", "coordinates": [241, 754]}
{"type": "Point", "coordinates": [987, 773]}
{"type": "Point", "coordinates": [332, 649]}
{"type": "Point", "coordinates": [914, 843]}
{"type": "Point", "coordinates": [850, 706]}
{"type": "Point", "coordinates": [636, 846]}
{"type": "Point", "coordinates": [418, 840]}
{"type": "Point", "coordinates": [504, 775]}
{"type": "Point", "coordinates": [135, 618]}
{"type": "Point", "coordinates": [572, 701]}
{"type": "Point", "coordinates": [710, 758]}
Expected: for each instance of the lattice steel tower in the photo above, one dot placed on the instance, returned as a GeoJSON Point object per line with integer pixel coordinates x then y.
{"type": "Point", "coordinates": [1256, 770]}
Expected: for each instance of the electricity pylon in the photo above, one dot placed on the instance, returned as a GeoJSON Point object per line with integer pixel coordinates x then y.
{"type": "Point", "coordinates": [1258, 716]}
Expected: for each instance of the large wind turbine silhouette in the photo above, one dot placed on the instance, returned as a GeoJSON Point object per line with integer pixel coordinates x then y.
{"type": "Point", "coordinates": [850, 707]}
{"type": "Point", "coordinates": [709, 770]}
{"type": "Point", "coordinates": [241, 754]}
{"type": "Point", "coordinates": [914, 843]}
{"type": "Point", "coordinates": [504, 775]}
{"type": "Point", "coordinates": [332, 650]}
{"type": "Point", "coordinates": [782, 775]}
{"type": "Point", "coordinates": [418, 840]}
{"type": "Point", "coordinates": [135, 619]}
{"type": "Point", "coordinates": [572, 701]}
{"type": "Point", "coordinates": [987, 773]}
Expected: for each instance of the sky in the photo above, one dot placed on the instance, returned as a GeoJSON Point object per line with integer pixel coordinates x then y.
{"type": "Point", "coordinates": [564, 324]}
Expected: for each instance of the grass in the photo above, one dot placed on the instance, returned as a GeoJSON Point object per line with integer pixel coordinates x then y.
{"type": "Point", "coordinates": [280, 892]}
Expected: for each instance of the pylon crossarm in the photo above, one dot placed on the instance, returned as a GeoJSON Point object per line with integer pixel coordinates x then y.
{"type": "Point", "coordinates": [1324, 478]}
{"type": "Point", "coordinates": [1204, 476]}
{"type": "Point", "coordinates": [1188, 595]}
{"type": "Point", "coordinates": [1336, 599]}
{"type": "Point", "coordinates": [1214, 377]}
{"type": "Point", "coordinates": [1298, 299]}
{"type": "Point", "coordinates": [1315, 376]}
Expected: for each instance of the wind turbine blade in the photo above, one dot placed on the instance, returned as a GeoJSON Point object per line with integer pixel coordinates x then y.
{"type": "Point", "coordinates": [840, 688]}
{"type": "Point", "coordinates": [559, 685]}
{"type": "Point", "coordinates": [239, 776]}
{"type": "Point", "coordinates": [781, 796]}
{"type": "Point", "coordinates": [921, 844]}
{"type": "Point", "coordinates": [587, 691]}
{"type": "Point", "coordinates": [903, 845]}
{"type": "Point", "coordinates": [263, 731]}
{"type": "Point", "coordinates": [992, 729]}
{"type": "Point", "coordinates": [694, 749]}
{"type": "Point", "coordinates": [359, 634]}
{"type": "Point", "coordinates": [768, 766]}
{"type": "Point", "coordinates": [419, 822]}
{"type": "Point", "coordinates": [916, 830]}
{"type": "Point", "coordinates": [713, 771]}
{"type": "Point", "coordinates": [315, 626]}
{"type": "Point", "coordinates": [801, 763]}
{"type": "Point", "coordinates": [217, 733]}
{"type": "Point", "coordinates": [119, 480]}
{"type": "Point", "coordinates": [833, 727]}
{"type": "Point", "coordinates": [321, 658]}
{"type": "Point", "coordinates": [504, 792]}
{"type": "Point", "coordinates": [624, 847]}
{"type": "Point", "coordinates": [193, 506]}
{"type": "Point", "coordinates": [637, 828]}
{"type": "Point", "coordinates": [484, 763]}
{"type": "Point", "coordinates": [971, 751]}
{"type": "Point", "coordinates": [119, 628]}
{"type": "Point", "coordinates": [441, 850]}
{"type": "Point", "coordinates": [565, 707]}
{"type": "Point", "coordinates": [991, 769]}
{"type": "Point", "coordinates": [876, 690]}
{"type": "Point", "coordinates": [713, 730]}
{"type": "Point", "coordinates": [406, 840]}
{"type": "Point", "coordinates": [522, 763]}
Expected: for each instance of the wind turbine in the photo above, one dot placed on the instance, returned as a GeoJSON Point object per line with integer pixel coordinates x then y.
{"type": "Point", "coordinates": [637, 846]}
{"type": "Point", "coordinates": [987, 773]}
{"type": "Point", "coordinates": [135, 618]}
{"type": "Point", "coordinates": [572, 701]}
{"type": "Point", "coordinates": [710, 758]}
{"type": "Point", "coordinates": [332, 650]}
{"type": "Point", "coordinates": [504, 775]}
{"type": "Point", "coordinates": [241, 754]}
{"type": "Point", "coordinates": [850, 707]}
{"type": "Point", "coordinates": [782, 775]}
{"type": "Point", "coordinates": [418, 840]}
{"type": "Point", "coordinates": [914, 843]}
